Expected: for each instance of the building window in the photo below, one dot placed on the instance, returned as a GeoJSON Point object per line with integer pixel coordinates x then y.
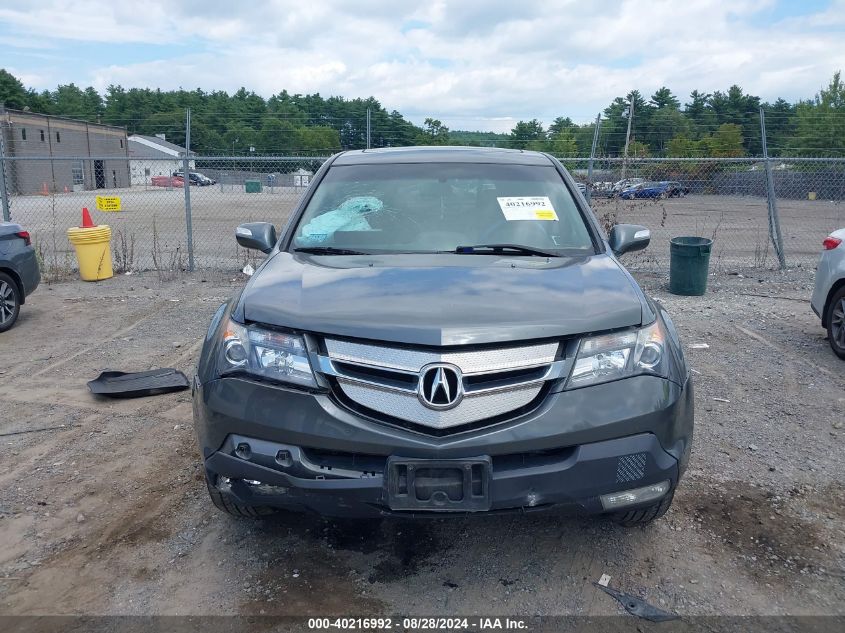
{"type": "Point", "coordinates": [23, 133]}
{"type": "Point", "coordinates": [58, 138]}
{"type": "Point", "coordinates": [78, 178]}
{"type": "Point", "coordinates": [121, 143]}
{"type": "Point", "coordinates": [42, 136]}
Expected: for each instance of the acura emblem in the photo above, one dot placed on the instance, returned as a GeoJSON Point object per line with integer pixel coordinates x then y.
{"type": "Point", "coordinates": [440, 386]}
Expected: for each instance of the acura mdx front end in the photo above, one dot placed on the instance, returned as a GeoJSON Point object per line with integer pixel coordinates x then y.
{"type": "Point", "coordinates": [440, 331]}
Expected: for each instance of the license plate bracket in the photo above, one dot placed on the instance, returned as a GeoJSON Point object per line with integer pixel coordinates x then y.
{"type": "Point", "coordinates": [439, 485]}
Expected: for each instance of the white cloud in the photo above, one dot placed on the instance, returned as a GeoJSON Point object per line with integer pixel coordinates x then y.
{"type": "Point", "coordinates": [471, 64]}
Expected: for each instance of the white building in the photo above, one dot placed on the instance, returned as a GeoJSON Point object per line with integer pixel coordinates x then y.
{"type": "Point", "coordinates": [154, 156]}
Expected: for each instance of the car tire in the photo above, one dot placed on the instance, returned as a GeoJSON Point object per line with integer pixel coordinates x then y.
{"type": "Point", "coordinates": [836, 323]}
{"type": "Point", "coordinates": [10, 302]}
{"type": "Point", "coordinates": [224, 503]}
{"type": "Point", "coordinates": [644, 516]}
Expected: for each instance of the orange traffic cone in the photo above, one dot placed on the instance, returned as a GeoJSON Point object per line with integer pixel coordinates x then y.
{"type": "Point", "coordinates": [87, 222]}
{"type": "Point", "coordinates": [66, 191]}
{"type": "Point", "coordinates": [44, 191]}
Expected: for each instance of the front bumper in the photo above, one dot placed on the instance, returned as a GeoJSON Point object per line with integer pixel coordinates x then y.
{"type": "Point", "coordinates": [573, 482]}
{"type": "Point", "coordinates": [829, 272]}
{"type": "Point", "coordinates": [573, 448]}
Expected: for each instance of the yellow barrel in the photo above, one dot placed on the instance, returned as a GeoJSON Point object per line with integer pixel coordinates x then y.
{"type": "Point", "coordinates": [811, 195]}
{"type": "Point", "coordinates": [93, 251]}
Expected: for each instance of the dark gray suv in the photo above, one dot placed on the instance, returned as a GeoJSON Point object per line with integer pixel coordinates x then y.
{"type": "Point", "coordinates": [441, 331]}
{"type": "Point", "coordinates": [19, 272]}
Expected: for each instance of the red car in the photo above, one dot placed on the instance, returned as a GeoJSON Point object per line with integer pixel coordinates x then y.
{"type": "Point", "coordinates": [167, 181]}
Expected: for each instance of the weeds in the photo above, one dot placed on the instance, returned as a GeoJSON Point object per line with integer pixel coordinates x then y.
{"type": "Point", "coordinates": [51, 268]}
{"type": "Point", "coordinates": [167, 265]}
{"type": "Point", "coordinates": [761, 253]}
{"type": "Point", "coordinates": [55, 264]}
{"type": "Point", "coordinates": [124, 252]}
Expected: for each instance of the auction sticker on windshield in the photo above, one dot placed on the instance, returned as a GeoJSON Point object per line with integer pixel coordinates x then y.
{"type": "Point", "coordinates": [527, 208]}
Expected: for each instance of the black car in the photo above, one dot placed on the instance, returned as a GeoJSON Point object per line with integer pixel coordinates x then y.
{"type": "Point", "coordinates": [19, 272]}
{"type": "Point", "coordinates": [196, 178]}
{"type": "Point", "coordinates": [676, 189]}
{"type": "Point", "coordinates": [441, 331]}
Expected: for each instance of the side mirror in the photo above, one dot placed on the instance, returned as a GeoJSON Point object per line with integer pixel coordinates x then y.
{"type": "Point", "coordinates": [260, 236]}
{"type": "Point", "coordinates": [625, 238]}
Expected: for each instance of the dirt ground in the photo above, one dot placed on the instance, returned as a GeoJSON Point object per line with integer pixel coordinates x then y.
{"type": "Point", "coordinates": [106, 511]}
{"type": "Point", "coordinates": [150, 231]}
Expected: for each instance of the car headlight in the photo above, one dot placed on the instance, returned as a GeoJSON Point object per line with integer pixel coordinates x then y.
{"type": "Point", "coordinates": [266, 353]}
{"type": "Point", "coordinates": [620, 355]}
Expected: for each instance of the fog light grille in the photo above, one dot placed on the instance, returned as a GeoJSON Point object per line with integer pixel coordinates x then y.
{"type": "Point", "coordinates": [630, 468]}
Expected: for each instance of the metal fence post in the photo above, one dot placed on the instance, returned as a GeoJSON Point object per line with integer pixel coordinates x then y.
{"type": "Point", "coordinates": [774, 220]}
{"type": "Point", "coordinates": [628, 136]}
{"type": "Point", "coordinates": [592, 157]}
{"type": "Point", "coordinates": [4, 191]}
{"type": "Point", "coordinates": [186, 185]}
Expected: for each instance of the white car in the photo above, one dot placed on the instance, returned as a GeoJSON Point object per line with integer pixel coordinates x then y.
{"type": "Point", "coordinates": [828, 300]}
{"type": "Point", "coordinates": [626, 183]}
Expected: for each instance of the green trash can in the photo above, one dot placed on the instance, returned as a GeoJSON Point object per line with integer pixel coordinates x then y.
{"type": "Point", "coordinates": [252, 186]}
{"type": "Point", "coordinates": [688, 265]}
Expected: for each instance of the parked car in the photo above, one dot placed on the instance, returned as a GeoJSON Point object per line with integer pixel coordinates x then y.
{"type": "Point", "coordinates": [676, 189]}
{"type": "Point", "coordinates": [195, 178]}
{"type": "Point", "coordinates": [828, 300]}
{"type": "Point", "coordinates": [625, 183]}
{"type": "Point", "coordinates": [167, 181]}
{"type": "Point", "coordinates": [19, 272]}
{"type": "Point", "coordinates": [603, 189]}
{"type": "Point", "coordinates": [646, 190]}
{"type": "Point", "coordinates": [440, 331]}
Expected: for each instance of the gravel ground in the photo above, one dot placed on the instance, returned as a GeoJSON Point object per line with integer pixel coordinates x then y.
{"type": "Point", "coordinates": [108, 514]}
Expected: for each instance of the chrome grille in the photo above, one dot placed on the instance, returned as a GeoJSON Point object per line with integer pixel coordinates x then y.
{"type": "Point", "coordinates": [475, 362]}
{"type": "Point", "coordinates": [387, 379]}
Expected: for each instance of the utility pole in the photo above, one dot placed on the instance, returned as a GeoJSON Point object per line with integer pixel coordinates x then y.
{"type": "Point", "coordinates": [186, 185]}
{"type": "Point", "coordinates": [368, 128]}
{"type": "Point", "coordinates": [628, 135]}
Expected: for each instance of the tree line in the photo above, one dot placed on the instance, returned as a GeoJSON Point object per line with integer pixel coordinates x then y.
{"type": "Point", "coordinates": [718, 124]}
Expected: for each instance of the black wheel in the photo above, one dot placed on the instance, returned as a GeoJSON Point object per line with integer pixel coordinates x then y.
{"type": "Point", "coordinates": [644, 516]}
{"type": "Point", "coordinates": [10, 302]}
{"type": "Point", "coordinates": [224, 503]}
{"type": "Point", "coordinates": [836, 323]}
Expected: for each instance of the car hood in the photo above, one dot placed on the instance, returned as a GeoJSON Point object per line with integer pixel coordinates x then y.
{"type": "Point", "coordinates": [442, 299]}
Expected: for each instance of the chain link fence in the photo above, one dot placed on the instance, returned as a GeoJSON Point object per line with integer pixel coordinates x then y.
{"type": "Point", "coordinates": [150, 231]}
{"type": "Point", "coordinates": [726, 200]}
{"type": "Point", "coordinates": [723, 199]}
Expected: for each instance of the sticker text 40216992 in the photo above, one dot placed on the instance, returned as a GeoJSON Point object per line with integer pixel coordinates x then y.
{"type": "Point", "coordinates": [527, 208]}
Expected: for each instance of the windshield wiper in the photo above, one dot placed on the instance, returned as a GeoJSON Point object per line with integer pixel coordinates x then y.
{"type": "Point", "coordinates": [327, 250]}
{"type": "Point", "coordinates": [503, 249]}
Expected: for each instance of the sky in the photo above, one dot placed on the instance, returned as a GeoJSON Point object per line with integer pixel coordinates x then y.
{"type": "Point", "coordinates": [477, 65]}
